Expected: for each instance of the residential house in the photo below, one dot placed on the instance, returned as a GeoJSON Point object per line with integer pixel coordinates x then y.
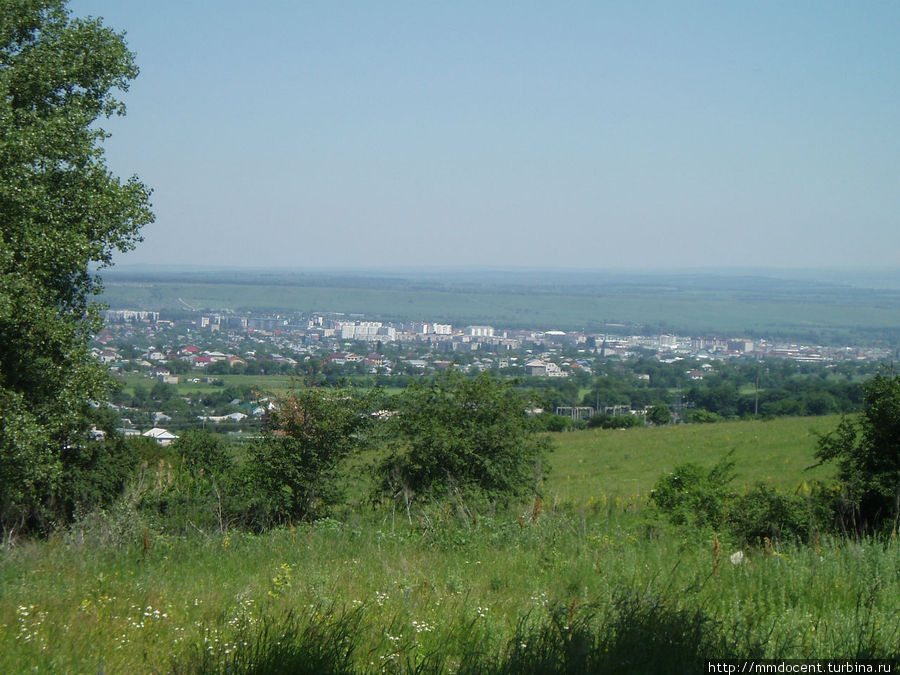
{"type": "Point", "coordinates": [161, 436]}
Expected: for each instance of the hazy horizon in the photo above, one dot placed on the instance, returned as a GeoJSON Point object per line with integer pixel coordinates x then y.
{"type": "Point", "coordinates": [569, 136]}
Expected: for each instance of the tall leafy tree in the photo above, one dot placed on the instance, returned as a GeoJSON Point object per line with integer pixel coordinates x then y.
{"type": "Point", "coordinates": [63, 215]}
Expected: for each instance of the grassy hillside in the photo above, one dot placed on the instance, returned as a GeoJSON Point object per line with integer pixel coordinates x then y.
{"type": "Point", "coordinates": [442, 591]}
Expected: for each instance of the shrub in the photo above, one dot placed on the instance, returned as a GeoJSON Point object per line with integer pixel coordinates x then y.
{"type": "Point", "coordinates": [94, 474]}
{"type": "Point", "coordinates": [692, 495]}
{"type": "Point", "coordinates": [202, 452]}
{"type": "Point", "coordinates": [471, 435]}
{"type": "Point", "coordinates": [765, 513]}
{"type": "Point", "coordinates": [556, 423]}
{"type": "Point", "coordinates": [659, 414]}
{"type": "Point", "coordinates": [293, 471]}
{"type": "Point", "coordinates": [702, 416]}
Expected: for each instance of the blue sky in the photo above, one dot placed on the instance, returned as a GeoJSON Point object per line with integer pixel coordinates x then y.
{"type": "Point", "coordinates": [584, 135]}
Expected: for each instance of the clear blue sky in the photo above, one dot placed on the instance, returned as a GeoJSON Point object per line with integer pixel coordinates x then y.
{"type": "Point", "coordinates": [559, 134]}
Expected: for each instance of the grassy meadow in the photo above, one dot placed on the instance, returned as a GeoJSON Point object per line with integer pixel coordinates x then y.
{"type": "Point", "coordinates": [267, 384]}
{"type": "Point", "coordinates": [627, 462]}
{"type": "Point", "coordinates": [587, 579]}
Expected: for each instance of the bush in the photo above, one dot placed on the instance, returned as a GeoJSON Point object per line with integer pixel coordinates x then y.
{"type": "Point", "coordinates": [694, 496]}
{"type": "Point", "coordinates": [702, 416]}
{"type": "Point", "coordinates": [471, 435]}
{"type": "Point", "coordinates": [94, 474]}
{"type": "Point", "coordinates": [764, 513]}
{"type": "Point", "coordinates": [556, 423]}
{"type": "Point", "coordinates": [202, 452]}
{"type": "Point", "coordinates": [659, 414]}
{"type": "Point", "coordinates": [293, 470]}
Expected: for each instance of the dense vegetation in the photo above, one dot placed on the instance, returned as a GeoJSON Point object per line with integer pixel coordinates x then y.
{"type": "Point", "coordinates": [591, 578]}
{"type": "Point", "coordinates": [711, 565]}
{"type": "Point", "coordinates": [62, 214]}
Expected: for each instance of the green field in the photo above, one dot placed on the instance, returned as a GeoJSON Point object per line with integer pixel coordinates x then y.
{"type": "Point", "coordinates": [686, 304]}
{"type": "Point", "coordinates": [626, 462]}
{"type": "Point", "coordinates": [264, 384]}
{"type": "Point", "coordinates": [424, 593]}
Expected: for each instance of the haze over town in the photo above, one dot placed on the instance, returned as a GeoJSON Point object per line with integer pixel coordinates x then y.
{"type": "Point", "coordinates": [589, 135]}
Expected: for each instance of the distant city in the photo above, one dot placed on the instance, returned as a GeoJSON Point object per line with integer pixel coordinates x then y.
{"type": "Point", "coordinates": [341, 339]}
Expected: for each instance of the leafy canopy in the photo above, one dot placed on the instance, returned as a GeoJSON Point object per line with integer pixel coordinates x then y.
{"type": "Point", "coordinates": [63, 214]}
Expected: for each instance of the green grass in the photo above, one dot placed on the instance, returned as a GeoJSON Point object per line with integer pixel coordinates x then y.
{"type": "Point", "coordinates": [265, 384]}
{"type": "Point", "coordinates": [626, 462]}
{"type": "Point", "coordinates": [440, 592]}
{"type": "Point", "coordinates": [68, 606]}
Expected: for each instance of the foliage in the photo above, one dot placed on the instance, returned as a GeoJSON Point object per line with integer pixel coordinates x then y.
{"type": "Point", "coordinates": [62, 213]}
{"type": "Point", "coordinates": [691, 495]}
{"type": "Point", "coordinates": [293, 472]}
{"type": "Point", "coordinates": [698, 498]}
{"type": "Point", "coordinates": [867, 453]}
{"type": "Point", "coordinates": [555, 423]}
{"type": "Point", "coordinates": [764, 513]}
{"type": "Point", "coordinates": [659, 414]}
{"type": "Point", "coordinates": [203, 452]}
{"type": "Point", "coordinates": [702, 416]}
{"type": "Point", "coordinates": [94, 475]}
{"type": "Point", "coordinates": [466, 434]}
{"type": "Point", "coordinates": [606, 421]}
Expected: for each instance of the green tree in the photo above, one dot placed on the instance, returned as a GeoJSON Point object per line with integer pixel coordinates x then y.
{"type": "Point", "coordinates": [659, 414]}
{"type": "Point", "coordinates": [691, 495]}
{"type": "Point", "coordinates": [202, 452]}
{"type": "Point", "coordinates": [294, 471]}
{"type": "Point", "coordinates": [867, 452]}
{"type": "Point", "coordinates": [63, 214]}
{"type": "Point", "coordinates": [470, 434]}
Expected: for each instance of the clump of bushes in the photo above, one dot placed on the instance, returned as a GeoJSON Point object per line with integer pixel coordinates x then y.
{"type": "Point", "coordinates": [696, 497]}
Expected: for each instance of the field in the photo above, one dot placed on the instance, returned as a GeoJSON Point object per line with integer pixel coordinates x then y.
{"type": "Point", "coordinates": [265, 384]}
{"type": "Point", "coordinates": [689, 304]}
{"type": "Point", "coordinates": [626, 463]}
{"type": "Point", "coordinates": [447, 591]}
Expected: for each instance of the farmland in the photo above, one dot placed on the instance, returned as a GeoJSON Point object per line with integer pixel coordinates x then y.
{"type": "Point", "coordinates": [686, 303]}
